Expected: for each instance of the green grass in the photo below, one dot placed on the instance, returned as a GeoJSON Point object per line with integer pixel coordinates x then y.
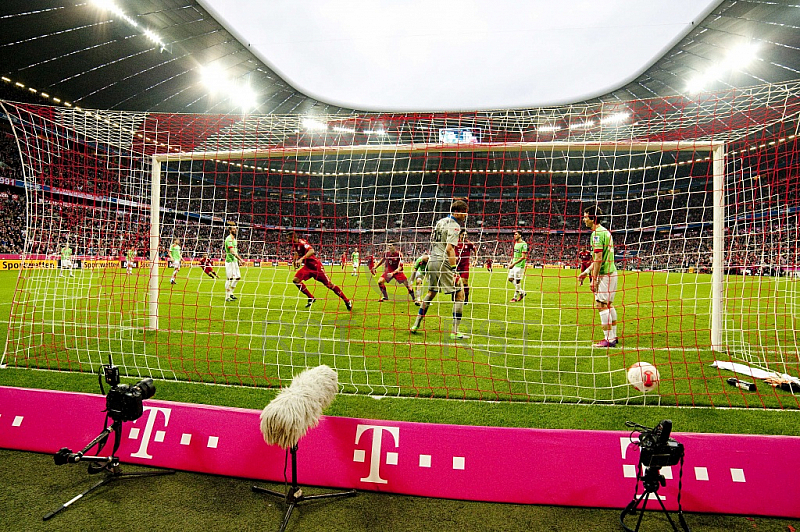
{"type": "Point", "coordinates": [538, 350]}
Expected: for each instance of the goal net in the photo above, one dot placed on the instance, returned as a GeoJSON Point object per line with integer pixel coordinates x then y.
{"type": "Point", "coordinates": [700, 196]}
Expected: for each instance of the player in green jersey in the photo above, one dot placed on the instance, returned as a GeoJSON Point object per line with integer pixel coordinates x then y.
{"type": "Point", "coordinates": [419, 270]}
{"type": "Point", "coordinates": [516, 266]}
{"type": "Point", "coordinates": [66, 259]}
{"type": "Point", "coordinates": [232, 260]}
{"type": "Point", "coordinates": [130, 259]}
{"type": "Point", "coordinates": [175, 257]}
{"type": "Point", "coordinates": [354, 257]}
{"type": "Point", "coordinates": [604, 275]}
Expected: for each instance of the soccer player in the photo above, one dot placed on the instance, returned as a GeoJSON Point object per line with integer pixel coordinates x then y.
{"type": "Point", "coordinates": [489, 263]}
{"type": "Point", "coordinates": [464, 251]}
{"type": "Point", "coordinates": [175, 254]}
{"type": "Point", "coordinates": [420, 270]}
{"type": "Point", "coordinates": [354, 258]}
{"type": "Point", "coordinates": [392, 272]}
{"type": "Point", "coordinates": [344, 259]}
{"type": "Point", "coordinates": [604, 275]}
{"type": "Point", "coordinates": [130, 258]}
{"type": "Point", "coordinates": [66, 259]}
{"type": "Point", "coordinates": [585, 256]}
{"type": "Point", "coordinates": [516, 267]}
{"type": "Point", "coordinates": [442, 275]}
{"type": "Point", "coordinates": [208, 267]}
{"type": "Point", "coordinates": [312, 269]}
{"type": "Point", "coordinates": [232, 260]}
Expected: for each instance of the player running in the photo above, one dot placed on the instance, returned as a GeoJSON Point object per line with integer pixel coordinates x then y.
{"type": "Point", "coordinates": [489, 263]}
{"type": "Point", "coordinates": [208, 267]}
{"type": "Point", "coordinates": [66, 259]}
{"type": "Point", "coordinates": [516, 267]}
{"type": "Point", "coordinates": [354, 257]}
{"type": "Point", "coordinates": [232, 260]}
{"type": "Point", "coordinates": [312, 269]}
{"type": "Point", "coordinates": [175, 255]}
{"type": "Point", "coordinates": [604, 276]}
{"type": "Point", "coordinates": [392, 272]}
{"type": "Point", "coordinates": [442, 276]}
{"type": "Point", "coordinates": [420, 269]}
{"type": "Point", "coordinates": [464, 251]}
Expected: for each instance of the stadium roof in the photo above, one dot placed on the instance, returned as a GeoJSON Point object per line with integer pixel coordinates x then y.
{"type": "Point", "coordinates": [151, 59]}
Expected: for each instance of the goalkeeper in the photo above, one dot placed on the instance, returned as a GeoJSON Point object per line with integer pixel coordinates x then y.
{"type": "Point", "coordinates": [420, 269]}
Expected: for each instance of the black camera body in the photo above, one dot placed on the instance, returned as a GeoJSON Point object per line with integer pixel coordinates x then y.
{"type": "Point", "coordinates": [123, 401]}
{"type": "Point", "coordinates": [656, 448]}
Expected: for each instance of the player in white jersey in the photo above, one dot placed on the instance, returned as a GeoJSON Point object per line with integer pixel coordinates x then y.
{"type": "Point", "coordinates": [442, 275]}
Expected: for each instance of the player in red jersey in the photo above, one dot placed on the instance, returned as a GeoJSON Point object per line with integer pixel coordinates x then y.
{"type": "Point", "coordinates": [208, 267]}
{"type": "Point", "coordinates": [489, 263]}
{"type": "Point", "coordinates": [587, 261]}
{"type": "Point", "coordinates": [344, 260]}
{"type": "Point", "coordinates": [393, 272]}
{"type": "Point", "coordinates": [311, 268]}
{"type": "Point", "coordinates": [464, 251]}
{"type": "Point", "coordinates": [371, 264]}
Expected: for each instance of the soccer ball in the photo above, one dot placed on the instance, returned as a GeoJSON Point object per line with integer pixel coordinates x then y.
{"type": "Point", "coordinates": [643, 376]}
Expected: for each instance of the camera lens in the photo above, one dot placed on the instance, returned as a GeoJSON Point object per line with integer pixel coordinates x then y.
{"type": "Point", "coordinates": [146, 388]}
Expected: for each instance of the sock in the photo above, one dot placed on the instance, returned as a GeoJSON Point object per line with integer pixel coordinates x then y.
{"type": "Point", "coordinates": [338, 291]}
{"type": "Point", "coordinates": [411, 293]}
{"type": "Point", "coordinates": [227, 287]}
{"type": "Point", "coordinates": [423, 309]}
{"type": "Point", "coordinates": [384, 292]}
{"type": "Point", "coordinates": [303, 289]}
{"type": "Point", "coordinates": [613, 323]}
{"type": "Point", "coordinates": [605, 321]}
{"type": "Point", "coordinates": [466, 294]}
{"type": "Point", "coordinates": [458, 309]}
{"type": "Point", "coordinates": [233, 284]}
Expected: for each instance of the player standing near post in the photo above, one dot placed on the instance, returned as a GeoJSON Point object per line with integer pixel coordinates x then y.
{"type": "Point", "coordinates": [393, 272]}
{"type": "Point", "coordinates": [130, 258]}
{"type": "Point", "coordinates": [66, 259]}
{"type": "Point", "coordinates": [208, 267]}
{"type": "Point", "coordinates": [312, 269]}
{"type": "Point", "coordinates": [175, 255]}
{"type": "Point", "coordinates": [442, 275]}
{"type": "Point", "coordinates": [604, 275]}
{"type": "Point", "coordinates": [354, 258]}
{"type": "Point", "coordinates": [516, 267]}
{"type": "Point", "coordinates": [464, 251]}
{"type": "Point", "coordinates": [232, 260]}
{"type": "Point", "coordinates": [420, 270]}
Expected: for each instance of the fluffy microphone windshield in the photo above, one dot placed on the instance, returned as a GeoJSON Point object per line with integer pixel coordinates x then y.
{"type": "Point", "coordinates": [297, 408]}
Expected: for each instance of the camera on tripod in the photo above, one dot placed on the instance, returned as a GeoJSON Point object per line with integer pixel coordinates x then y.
{"type": "Point", "coordinates": [656, 448]}
{"type": "Point", "coordinates": [123, 401]}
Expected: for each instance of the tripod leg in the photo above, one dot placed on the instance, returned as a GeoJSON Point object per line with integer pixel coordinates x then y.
{"type": "Point", "coordinates": [286, 517]}
{"type": "Point", "coordinates": [77, 498]}
{"type": "Point", "coordinates": [664, 508]}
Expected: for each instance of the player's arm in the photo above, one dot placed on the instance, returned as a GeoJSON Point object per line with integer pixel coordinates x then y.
{"type": "Point", "coordinates": [597, 258]}
{"type": "Point", "coordinates": [378, 265]}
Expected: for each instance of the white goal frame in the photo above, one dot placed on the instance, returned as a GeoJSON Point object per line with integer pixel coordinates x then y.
{"type": "Point", "coordinates": [716, 150]}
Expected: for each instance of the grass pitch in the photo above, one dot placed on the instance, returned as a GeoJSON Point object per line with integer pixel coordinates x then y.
{"type": "Point", "coordinates": [536, 350]}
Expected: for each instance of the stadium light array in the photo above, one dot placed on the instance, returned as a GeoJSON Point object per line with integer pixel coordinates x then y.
{"type": "Point", "coordinates": [616, 118]}
{"type": "Point", "coordinates": [240, 94]}
{"type": "Point", "coordinates": [109, 5]}
{"type": "Point", "coordinates": [313, 124]}
{"type": "Point", "coordinates": [736, 59]}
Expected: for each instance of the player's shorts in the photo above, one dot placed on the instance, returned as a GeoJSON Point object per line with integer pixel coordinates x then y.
{"type": "Point", "coordinates": [66, 264]}
{"type": "Point", "coordinates": [355, 265]}
{"type": "Point", "coordinates": [418, 274]}
{"type": "Point", "coordinates": [398, 277]}
{"type": "Point", "coordinates": [208, 270]}
{"type": "Point", "coordinates": [176, 264]}
{"type": "Point", "coordinates": [516, 273]}
{"type": "Point", "coordinates": [232, 270]}
{"type": "Point", "coordinates": [441, 277]}
{"type": "Point", "coordinates": [606, 288]}
{"type": "Point", "coordinates": [464, 274]}
{"type": "Point", "coordinates": [305, 273]}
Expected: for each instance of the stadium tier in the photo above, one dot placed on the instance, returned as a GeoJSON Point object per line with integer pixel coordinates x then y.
{"type": "Point", "coordinates": [130, 216]}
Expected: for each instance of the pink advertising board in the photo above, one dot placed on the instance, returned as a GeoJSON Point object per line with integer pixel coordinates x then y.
{"type": "Point", "coordinates": [730, 474]}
